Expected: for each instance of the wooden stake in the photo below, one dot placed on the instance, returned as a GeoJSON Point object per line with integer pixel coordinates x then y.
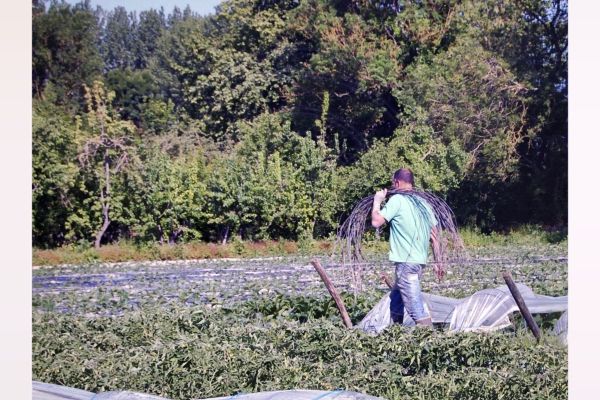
{"type": "Point", "coordinates": [521, 304]}
{"type": "Point", "coordinates": [336, 297]}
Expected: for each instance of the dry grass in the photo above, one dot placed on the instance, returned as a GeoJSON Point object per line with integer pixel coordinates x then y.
{"type": "Point", "coordinates": [198, 250]}
{"type": "Point", "coordinates": [189, 251]}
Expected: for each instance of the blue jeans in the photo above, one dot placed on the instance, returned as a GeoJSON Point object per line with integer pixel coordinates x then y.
{"type": "Point", "coordinates": [407, 293]}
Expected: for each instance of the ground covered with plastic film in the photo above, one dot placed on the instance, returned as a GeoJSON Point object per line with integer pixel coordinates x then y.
{"type": "Point", "coordinates": [203, 329]}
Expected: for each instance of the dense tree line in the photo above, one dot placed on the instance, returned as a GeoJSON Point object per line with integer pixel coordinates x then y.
{"type": "Point", "coordinates": [269, 119]}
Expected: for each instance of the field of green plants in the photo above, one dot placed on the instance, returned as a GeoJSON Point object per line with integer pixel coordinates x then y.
{"type": "Point", "coordinates": [198, 329]}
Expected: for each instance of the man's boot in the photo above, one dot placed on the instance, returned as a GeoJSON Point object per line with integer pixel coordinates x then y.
{"type": "Point", "coordinates": [424, 322]}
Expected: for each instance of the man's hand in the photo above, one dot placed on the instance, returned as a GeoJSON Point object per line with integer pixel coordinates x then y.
{"type": "Point", "coordinates": [376, 219]}
{"type": "Point", "coordinates": [440, 271]}
{"type": "Point", "coordinates": [380, 196]}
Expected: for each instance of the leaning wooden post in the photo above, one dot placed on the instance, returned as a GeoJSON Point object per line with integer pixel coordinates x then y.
{"type": "Point", "coordinates": [336, 297]}
{"type": "Point", "coordinates": [521, 304]}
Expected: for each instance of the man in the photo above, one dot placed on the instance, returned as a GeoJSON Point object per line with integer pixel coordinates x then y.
{"type": "Point", "coordinates": [411, 230]}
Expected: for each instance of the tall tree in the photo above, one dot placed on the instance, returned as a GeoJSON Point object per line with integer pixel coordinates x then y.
{"type": "Point", "coordinates": [65, 50]}
{"type": "Point", "coordinates": [175, 64]}
{"type": "Point", "coordinates": [149, 29]}
{"type": "Point", "coordinates": [174, 17]}
{"type": "Point", "coordinates": [119, 39]}
{"type": "Point", "coordinates": [220, 72]}
{"type": "Point", "coordinates": [540, 56]}
{"type": "Point", "coordinates": [531, 37]}
{"type": "Point", "coordinates": [107, 152]}
{"type": "Point", "coordinates": [357, 66]}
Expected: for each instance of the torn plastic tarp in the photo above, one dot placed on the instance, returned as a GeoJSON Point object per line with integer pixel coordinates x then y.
{"type": "Point", "coordinates": [561, 327]}
{"type": "Point", "coordinates": [484, 310]}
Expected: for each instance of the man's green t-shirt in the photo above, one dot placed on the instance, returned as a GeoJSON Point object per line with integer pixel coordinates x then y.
{"type": "Point", "coordinates": [410, 228]}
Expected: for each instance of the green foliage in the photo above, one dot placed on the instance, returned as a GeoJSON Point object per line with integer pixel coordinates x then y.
{"type": "Point", "coordinates": [118, 44]}
{"type": "Point", "coordinates": [527, 234]}
{"type": "Point", "coordinates": [134, 89]}
{"type": "Point", "coordinates": [195, 353]}
{"type": "Point", "coordinates": [105, 152]}
{"type": "Point", "coordinates": [216, 84]}
{"type": "Point", "coordinates": [538, 52]}
{"type": "Point", "coordinates": [64, 50]}
{"type": "Point", "coordinates": [357, 67]}
{"type": "Point", "coordinates": [176, 60]}
{"type": "Point", "coordinates": [437, 167]}
{"type": "Point", "coordinates": [128, 42]}
{"type": "Point", "coordinates": [158, 116]}
{"type": "Point", "coordinates": [54, 150]}
{"type": "Point", "coordinates": [150, 28]}
{"type": "Point", "coordinates": [162, 339]}
{"type": "Point", "coordinates": [237, 88]}
{"type": "Point", "coordinates": [269, 119]}
{"type": "Point", "coordinates": [303, 309]}
{"type": "Point", "coordinates": [251, 26]}
{"type": "Point", "coordinates": [483, 120]}
{"type": "Point", "coordinates": [170, 197]}
{"type": "Point", "coordinates": [277, 183]}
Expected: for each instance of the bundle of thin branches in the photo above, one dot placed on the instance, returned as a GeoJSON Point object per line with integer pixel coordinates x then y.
{"type": "Point", "coordinates": [432, 211]}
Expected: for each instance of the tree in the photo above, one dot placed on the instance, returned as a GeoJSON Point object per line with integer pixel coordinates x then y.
{"type": "Point", "coordinates": [119, 39]}
{"type": "Point", "coordinates": [65, 51]}
{"type": "Point", "coordinates": [236, 88]}
{"type": "Point", "coordinates": [438, 166]}
{"type": "Point", "coordinates": [276, 184]}
{"type": "Point", "coordinates": [530, 36]}
{"type": "Point", "coordinates": [470, 97]}
{"type": "Point", "coordinates": [107, 152]}
{"type": "Point", "coordinates": [358, 68]}
{"type": "Point", "coordinates": [251, 26]}
{"type": "Point", "coordinates": [175, 65]}
{"type": "Point", "coordinates": [225, 68]}
{"type": "Point", "coordinates": [174, 17]}
{"type": "Point", "coordinates": [54, 150]}
{"type": "Point", "coordinates": [533, 39]}
{"type": "Point", "coordinates": [133, 90]}
{"type": "Point", "coordinates": [168, 196]}
{"type": "Point", "coordinates": [149, 29]}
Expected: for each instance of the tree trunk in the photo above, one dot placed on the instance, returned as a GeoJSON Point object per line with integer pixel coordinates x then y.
{"type": "Point", "coordinates": [174, 236]}
{"type": "Point", "coordinates": [104, 200]}
{"type": "Point", "coordinates": [104, 227]}
{"type": "Point", "coordinates": [225, 235]}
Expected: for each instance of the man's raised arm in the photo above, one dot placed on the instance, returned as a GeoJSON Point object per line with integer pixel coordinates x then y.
{"type": "Point", "coordinates": [376, 218]}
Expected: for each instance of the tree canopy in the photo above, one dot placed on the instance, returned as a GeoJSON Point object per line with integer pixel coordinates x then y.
{"type": "Point", "coordinates": [269, 119]}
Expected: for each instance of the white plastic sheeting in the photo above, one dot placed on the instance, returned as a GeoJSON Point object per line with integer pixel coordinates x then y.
{"type": "Point", "coordinates": [125, 395]}
{"type": "Point", "coordinates": [561, 328]}
{"type": "Point", "coordinates": [484, 310]}
{"type": "Point", "coordinates": [47, 391]}
{"type": "Point", "coordinates": [301, 395]}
